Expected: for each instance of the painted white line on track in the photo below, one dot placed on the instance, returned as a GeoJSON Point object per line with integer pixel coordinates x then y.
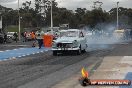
{"type": "Point", "coordinates": [12, 58]}
{"type": "Point", "coordinates": [28, 54]}
{"type": "Point", "coordinates": [18, 48]}
{"type": "Point", "coordinates": [23, 55]}
{"type": "Point", "coordinates": [5, 59]}
{"type": "Point", "coordinates": [15, 49]}
{"type": "Point", "coordinates": [15, 45]}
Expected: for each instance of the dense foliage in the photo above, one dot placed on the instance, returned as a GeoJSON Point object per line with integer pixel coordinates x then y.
{"type": "Point", "coordinates": [40, 15]}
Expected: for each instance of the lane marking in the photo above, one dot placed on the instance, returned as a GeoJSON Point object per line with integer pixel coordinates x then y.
{"type": "Point", "coordinates": [5, 59]}
{"type": "Point", "coordinates": [28, 54]}
{"type": "Point", "coordinates": [16, 45]}
{"type": "Point", "coordinates": [21, 52]}
{"type": "Point", "coordinates": [23, 55]}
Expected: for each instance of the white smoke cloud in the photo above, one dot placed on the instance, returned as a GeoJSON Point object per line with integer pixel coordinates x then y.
{"type": "Point", "coordinates": [105, 38]}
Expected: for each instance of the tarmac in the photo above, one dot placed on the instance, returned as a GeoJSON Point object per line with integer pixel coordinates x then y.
{"type": "Point", "coordinates": [112, 67]}
{"type": "Point", "coordinates": [43, 70]}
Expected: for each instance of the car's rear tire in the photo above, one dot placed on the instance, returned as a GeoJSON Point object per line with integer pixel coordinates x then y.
{"type": "Point", "coordinates": [54, 53]}
{"type": "Point", "coordinates": [84, 51]}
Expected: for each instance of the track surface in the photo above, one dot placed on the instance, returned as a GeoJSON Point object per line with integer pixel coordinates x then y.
{"type": "Point", "coordinates": [21, 52]}
{"type": "Point", "coordinates": [16, 73]}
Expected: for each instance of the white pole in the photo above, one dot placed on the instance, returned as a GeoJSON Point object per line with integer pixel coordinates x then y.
{"type": "Point", "coordinates": [1, 19]}
{"type": "Point", "coordinates": [19, 34]}
{"type": "Point", "coordinates": [1, 22]}
{"type": "Point", "coordinates": [51, 19]}
{"type": "Point", "coordinates": [117, 16]}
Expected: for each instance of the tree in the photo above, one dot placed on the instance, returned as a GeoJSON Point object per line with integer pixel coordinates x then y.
{"type": "Point", "coordinates": [125, 16]}
{"type": "Point", "coordinates": [26, 5]}
{"type": "Point", "coordinates": [41, 16]}
{"type": "Point", "coordinates": [26, 15]}
{"type": "Point", "coordinates": [92, 18]}
{"type": "Point", "coordinates": [41, 6]}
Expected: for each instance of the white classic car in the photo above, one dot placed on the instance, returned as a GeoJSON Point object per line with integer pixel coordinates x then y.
{"type": "Point", "coordinates": [70, 40]}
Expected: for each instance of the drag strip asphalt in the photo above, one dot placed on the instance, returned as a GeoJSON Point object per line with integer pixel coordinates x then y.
{"type": "Point", "coordinates": [42, 70]}
{"type": "Point", "coordinates": [17, 73]}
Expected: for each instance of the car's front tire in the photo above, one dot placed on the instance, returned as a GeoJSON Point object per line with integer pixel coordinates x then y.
{"type": "Point", "coordinates": [79, 51]}
{"type": "Point", "coordinates": [54, 53]}
{"type": "Point", "coordinates": [84, 51]}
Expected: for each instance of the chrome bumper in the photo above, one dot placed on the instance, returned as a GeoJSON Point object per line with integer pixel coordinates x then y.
{"type": "Point", "coordinates": [64, 49]}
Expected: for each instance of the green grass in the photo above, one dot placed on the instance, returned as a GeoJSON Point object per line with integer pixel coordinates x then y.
{"type": "Point", "coordinates": [13, 29]}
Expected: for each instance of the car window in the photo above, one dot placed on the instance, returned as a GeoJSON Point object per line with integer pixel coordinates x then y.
{"type": "Point", "coordinates": [69, 34]}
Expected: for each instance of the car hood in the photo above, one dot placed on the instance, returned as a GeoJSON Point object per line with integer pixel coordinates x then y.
{"type": "Point", "coordinates": [66, 39]}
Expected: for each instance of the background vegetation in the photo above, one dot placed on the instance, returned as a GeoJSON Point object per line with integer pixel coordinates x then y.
{"type": "Point", "coordinates": [40, 16]}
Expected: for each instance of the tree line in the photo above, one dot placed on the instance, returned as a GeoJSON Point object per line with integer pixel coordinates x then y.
{"type": "Point", "coordinates": [40, 16]}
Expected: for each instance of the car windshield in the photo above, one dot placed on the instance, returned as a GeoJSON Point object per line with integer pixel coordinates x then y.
{"type": "Point", "coordinates": [69, 34]}
{"type": "Point", "coordinates": [10, 33]}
